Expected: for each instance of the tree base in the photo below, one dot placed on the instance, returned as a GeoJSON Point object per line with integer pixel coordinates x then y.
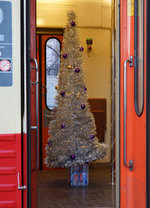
{"type": "Point", "coordinates": [78, 175]}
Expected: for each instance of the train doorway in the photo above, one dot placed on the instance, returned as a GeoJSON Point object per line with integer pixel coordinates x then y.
{"type": "Point", "coordinates": [100, 103]}
{"type": "Point", "coordinates": [99, 173]}
{"type": "Point", "coordinates": [115, 54]}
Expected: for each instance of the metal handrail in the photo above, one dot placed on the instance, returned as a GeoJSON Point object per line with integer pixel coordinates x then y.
{"type": "Point", "coordinates": [130, 61]}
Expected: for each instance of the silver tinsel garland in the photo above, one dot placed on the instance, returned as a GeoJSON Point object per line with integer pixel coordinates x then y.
{"type": "Point", "coordinates": [72, 132]}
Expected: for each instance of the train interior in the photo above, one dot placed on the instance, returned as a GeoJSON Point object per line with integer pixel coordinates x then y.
{"type": "Point", "coordinates": [95, 20]}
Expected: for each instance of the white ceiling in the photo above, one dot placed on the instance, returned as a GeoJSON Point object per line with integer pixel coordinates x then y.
{"type": "Point", "coordinates": [71, 2]}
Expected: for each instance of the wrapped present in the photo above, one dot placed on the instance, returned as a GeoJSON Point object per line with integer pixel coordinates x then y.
{"type": "Point", "coordinates": [78, 175]}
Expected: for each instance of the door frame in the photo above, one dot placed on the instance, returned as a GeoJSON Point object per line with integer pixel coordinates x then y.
{"type": "Point", "coordinates": [117, 103]}
{"type": "Point", "coordinates": [41, 33]}
{"type": "Point", "coordinates": [27, 26]}
{"type": "Point", "coordinates": [117, 100]}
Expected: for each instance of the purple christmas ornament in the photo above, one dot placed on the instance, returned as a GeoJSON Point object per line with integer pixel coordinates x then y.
{"type": "Point", "coordinates": [54, 110]}
{"type": "Point", "coordinates": [87, 162]}
{"type": "Point", "coordinates": [73, 24]}
{"type": "Point", "coordinates": [82, 106]}
{"type": "Point", "coordinates": [64, 55]}
{"type": "Point", "coordinates": [52, 161]}
{"type": "Point", "coordinates": [72, 157]}
{"type": "Point", "coordinates": [77, 70]}
{"type": "Point", "coordinates": [81, 49]}
{"type": "Point", "coordinates": [85, 89]}
{"type": "Point", "coordinates": [49, 143]}
{"type": "Point", "coordinates": [62, 126]}
{"type": "Point", "coordinates": [92, 136]}
{"type": "Point", "coordinates": [62, 93]}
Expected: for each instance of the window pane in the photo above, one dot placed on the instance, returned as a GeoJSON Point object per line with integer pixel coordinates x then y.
{"type": "Point", "coordinates": [140, 54]}
{"type": "Point", "coordinates": [52, 67]}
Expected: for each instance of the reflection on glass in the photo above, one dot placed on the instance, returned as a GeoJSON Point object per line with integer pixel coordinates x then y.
{"type": "Point", "coordinates": [140, 54]}
{"type": "Point", "coordinates": [52, 67]}
{"type": "Point", "coordinates": [1, 15]}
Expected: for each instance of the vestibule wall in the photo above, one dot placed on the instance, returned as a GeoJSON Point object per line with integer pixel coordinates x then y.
{"type": "Point", "coordinates": [94, 21]}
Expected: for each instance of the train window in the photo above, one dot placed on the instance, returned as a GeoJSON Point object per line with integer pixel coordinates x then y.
{"type": "Point", "coordinates": [139, 56]}
{"type": "Point", "coordinates": [52, 68]}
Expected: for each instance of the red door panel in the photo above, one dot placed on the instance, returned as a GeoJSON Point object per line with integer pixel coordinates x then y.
{"type": "Point", "coordinates": [25, 169]}
{"type": "Point", "coordinates": [10, 167]}
{"type": "Point", "coordinates": [45, 112]}
{"type": "Point", "coordinates": [33, 105]}
{"type": "Point", "coordinates": [37, 55]}
{"type": "Point", "coordinates": [132, 182]}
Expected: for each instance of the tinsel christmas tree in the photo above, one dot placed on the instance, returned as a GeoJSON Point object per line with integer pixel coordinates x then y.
{"type": "Point", "coordinates": [72, 132]}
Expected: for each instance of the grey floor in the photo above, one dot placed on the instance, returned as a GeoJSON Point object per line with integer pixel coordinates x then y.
{"type": "Point", "coordinates": [55, 192]}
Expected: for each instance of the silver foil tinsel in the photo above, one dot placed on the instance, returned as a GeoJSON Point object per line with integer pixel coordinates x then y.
{"type": "Point", "coordinates": [78, 123]}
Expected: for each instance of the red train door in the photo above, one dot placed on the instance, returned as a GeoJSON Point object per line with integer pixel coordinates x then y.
{"type": "Point", "coordinates": [50, 48]}
{"type": "Point", "coordinates": [32, 107]}
{"type": "Point", "coordinates": [133, 104]}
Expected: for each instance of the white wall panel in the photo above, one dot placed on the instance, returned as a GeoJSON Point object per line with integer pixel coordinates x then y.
{"type": "Point", "coordinates": [106, 17]}
{"type": "Point", "coordinates": [53, 15]}
{"type": "Point", "coordinates": [10, 97]}
{"type": "Point", "coordinates": [97, 68]}
{"type": "Point", "coordinates": [89, 14]}
{"type": "Point", "coordinates": [96, 13]}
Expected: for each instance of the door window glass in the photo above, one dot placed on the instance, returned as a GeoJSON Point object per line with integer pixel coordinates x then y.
{"type": "Point", "coordinates": [139, 56]}
{"type": "Point", "coordinates": [52, 68]}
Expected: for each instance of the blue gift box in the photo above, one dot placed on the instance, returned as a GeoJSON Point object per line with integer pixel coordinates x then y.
{"type": "Point", "coordinates": [79, 175]}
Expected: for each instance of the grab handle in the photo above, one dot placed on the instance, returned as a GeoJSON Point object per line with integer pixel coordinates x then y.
{"type": "Point", "coordinates": [20, 187]}
{"type": "Point", "coordinates": [130, 61]}
{"type": "Point", "coordinates": [36, 127]}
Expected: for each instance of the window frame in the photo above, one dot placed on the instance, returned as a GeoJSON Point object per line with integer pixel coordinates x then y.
{"type": "Point", "coordinates": [46, 70]}
{"type": "Point", "coordinates": [136, 68]}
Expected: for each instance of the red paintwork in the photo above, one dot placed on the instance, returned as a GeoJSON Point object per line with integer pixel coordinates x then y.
{"type": "Point", "coordinates": [37, 55]}
{"type": "Point", "coordinates": [25, 169]}
{"type": "Point", "coordinates": [10, 165]}
{"type": "Point", "coordinates": [33, 105]}
{"type": "Point", "coordinates": [132, 183]}
{"type": "Point", "coordinates": [42, 95]}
